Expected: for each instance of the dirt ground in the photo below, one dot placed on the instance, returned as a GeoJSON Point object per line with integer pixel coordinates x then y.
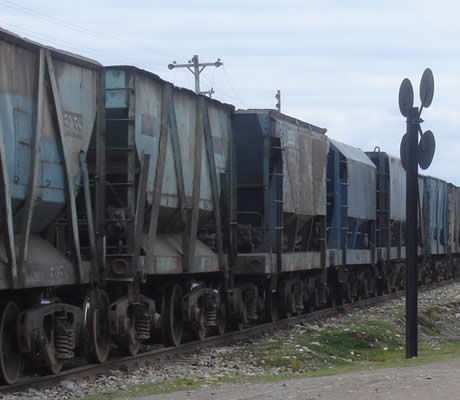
{"type": "Point", "coordinates": [426, 382]}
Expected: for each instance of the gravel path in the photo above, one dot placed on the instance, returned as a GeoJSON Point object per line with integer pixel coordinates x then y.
{"type": "Point", "coordinates": [212, 365]}
{"type": "Point", "coordinates": [428, 382]}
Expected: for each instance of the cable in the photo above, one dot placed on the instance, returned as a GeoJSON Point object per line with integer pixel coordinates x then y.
{"type": "Point", "coordinates": [74, 27]}
{"type": "Point", "coordinates": [232, 89]}
{"type": "Point", "coordinates": [114, 57]}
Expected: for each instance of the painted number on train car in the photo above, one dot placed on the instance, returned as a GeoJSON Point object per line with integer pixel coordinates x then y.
{"type": "Point", "coordinates": [73, 124]}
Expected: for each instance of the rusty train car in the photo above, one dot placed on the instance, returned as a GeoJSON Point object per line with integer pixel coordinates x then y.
{"type": "Point", "coordinates": [135, 211]}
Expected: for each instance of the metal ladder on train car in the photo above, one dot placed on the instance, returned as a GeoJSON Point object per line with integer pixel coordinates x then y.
{"type": "Point", "coordinates": [279, 202]}
{"type": "Point", "coordinates": [383, 211]}
{"type": "Point", "coordinates": [129, 184]}
{"type": "Point", "coordinates": [343, 187]}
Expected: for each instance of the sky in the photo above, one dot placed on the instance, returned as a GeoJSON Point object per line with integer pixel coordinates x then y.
{"type": "Point", "coordinates": [338, 64]}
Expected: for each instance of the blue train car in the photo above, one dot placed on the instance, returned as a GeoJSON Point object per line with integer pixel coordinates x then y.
{"type": "Point", "coordinates": [436, 212]}
{"type": "Point", "coordinates": [351, 180]}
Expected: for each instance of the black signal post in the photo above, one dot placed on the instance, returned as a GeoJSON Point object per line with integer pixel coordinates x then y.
{"type": "Point", "coordinates": [411, 233]}
{"type": "Point", "coordinates": [414, 153]}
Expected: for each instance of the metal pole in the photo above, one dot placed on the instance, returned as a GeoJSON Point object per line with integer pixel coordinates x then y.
{"type": "Point", "coordinates": [411, 233]}
{"type": "Point", "coordinates": [196, 73]}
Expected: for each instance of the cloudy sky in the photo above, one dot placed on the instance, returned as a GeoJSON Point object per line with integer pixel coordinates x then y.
{"type": "Point", "coordinates": [338, 63]}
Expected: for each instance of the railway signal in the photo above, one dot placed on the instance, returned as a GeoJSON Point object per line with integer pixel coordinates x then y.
{"type": "Point", "coordinates": [413, 154]}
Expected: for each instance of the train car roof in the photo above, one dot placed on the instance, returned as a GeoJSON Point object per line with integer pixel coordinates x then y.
{"type": "Point", "coordinates": [157, 78]}
{"type": "Point", "coordinates": [64, 55]}
{"type": "Point", "coordinates": [275, 114]}
{"type": "Point", "coordinates": [352, 153]}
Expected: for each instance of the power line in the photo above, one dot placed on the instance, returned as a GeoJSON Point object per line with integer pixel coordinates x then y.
{"type": "Point", "coordinates": [72, 26]}
{"type": "Point", "coordinates": [96, 53]}
{"type": "Point", "coordinates": [232, 88]}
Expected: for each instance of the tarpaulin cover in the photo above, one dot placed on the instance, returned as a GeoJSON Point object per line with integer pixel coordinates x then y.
{"type": "Point", "coordinates": [304, 166]}
{"type": "Point", "coordinates": [397, 189]}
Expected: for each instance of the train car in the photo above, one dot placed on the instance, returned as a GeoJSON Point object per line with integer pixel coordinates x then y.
{"type": "Point", "coordinates": [169, 206]}
{"type": "Point", "coordinates": [454, 228]}
{"type": "Point", "coordinates": [436, 233]}
{"type": "Point", "coordinates": [48, 108]}
{"type": "Point", "coordinates": [351, 215]}
{"type": "Point", "coordinates": [281, 167]}
{"type": "Point", "coordinates": [134, 210]}
{"type": "Point", "coordinates": [391, 219]}
{"type": "Point", "coordinates": [454, 219]}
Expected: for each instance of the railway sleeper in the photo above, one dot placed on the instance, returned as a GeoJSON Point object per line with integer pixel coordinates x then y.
{"type": "Point", "coordinates": [50, 333]}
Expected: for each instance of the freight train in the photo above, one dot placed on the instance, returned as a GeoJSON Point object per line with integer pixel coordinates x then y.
{"type": "Point", "coordinates": [135, 211]}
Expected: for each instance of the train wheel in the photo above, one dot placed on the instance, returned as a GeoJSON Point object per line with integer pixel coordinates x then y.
{"type": "Point", "coordinates": [171, 316]}
{"type": "Point", "coordinates": [97, 327]}
{"type": "Point", "coordinates": [10, 357]}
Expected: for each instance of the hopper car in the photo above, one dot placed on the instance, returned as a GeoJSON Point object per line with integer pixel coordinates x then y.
{"type": "Point", "coordinates": [134, 212]}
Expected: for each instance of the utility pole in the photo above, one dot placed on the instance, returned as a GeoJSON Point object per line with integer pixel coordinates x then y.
{"type": "Point", "coordinates": [196, 68]}
{"type": "Point", "coordinates": [278, 98]}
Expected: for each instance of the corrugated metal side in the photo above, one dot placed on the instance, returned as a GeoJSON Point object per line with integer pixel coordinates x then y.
{"type": "Point", "coordinates": [18, 107]}
{"type": "Point", "coordinates": [304, 166]}
{"type": "Point", "coordinates": [397, 189]}
{"type": "Point", "coordinates": [361, 182]}
{"type": "Point", "coordinates": [147, 125]}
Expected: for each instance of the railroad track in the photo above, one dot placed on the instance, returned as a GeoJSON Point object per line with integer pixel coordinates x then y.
{"type": "Point", "coordinates": [89, 370]}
